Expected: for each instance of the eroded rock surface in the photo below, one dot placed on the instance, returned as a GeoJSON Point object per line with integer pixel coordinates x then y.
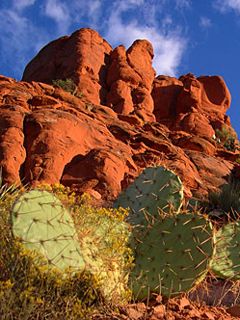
{"type": "Point", "coordinates": [125, 120]}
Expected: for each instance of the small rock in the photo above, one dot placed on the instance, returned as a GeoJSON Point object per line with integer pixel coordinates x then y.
{"type": "Point", "coordinates": [208, 315]}
{"type": "Point", "coordinates": [234, 310]}
{"type": "Point", "coordinates": [136, 311]}
{"type": "Point", "coordinates": [183, 303]}
{"type": "Point", "coordinates": [158, 312]}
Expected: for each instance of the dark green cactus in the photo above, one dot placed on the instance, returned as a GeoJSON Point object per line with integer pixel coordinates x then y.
{"type": "Point", "coordinates": [172, 255]}
{"type": "Point", "coordinates": [155, 188]}
{"type": "Point", "coordinates": [226, 260]}
{"type": "Point", "coordinates": [41, 223]}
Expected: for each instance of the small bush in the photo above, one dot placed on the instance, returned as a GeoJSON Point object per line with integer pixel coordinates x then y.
{"type": "Point", "coordinates": [228, 198]}
{"type": "Point", "coordinates": [225, 137]}
{"type": "Point", "coordinates": [68, 85]}
{"type": "Point", "coordinates": [30, 289]}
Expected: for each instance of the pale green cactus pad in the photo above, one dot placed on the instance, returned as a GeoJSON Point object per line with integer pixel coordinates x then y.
{"type": "Point", "coordinates": [41, 223]}
{"type": "Point", "coordinates": [226, 260]}
{"type": "Point", "coordinates": [155, 188]}
{"type": "Point", "coordinates": [172, 256]}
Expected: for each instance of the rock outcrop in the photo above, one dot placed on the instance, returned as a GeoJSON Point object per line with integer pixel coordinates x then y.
{"type": "Point", "coordinates": [124, 120]}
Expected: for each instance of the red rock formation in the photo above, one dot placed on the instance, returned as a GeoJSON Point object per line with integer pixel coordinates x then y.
{"type": "Point", "coordinates": [130, 78]}
{"type": "Point", "coordinates": [125, 120]}
{"type": "Point", "coordinates": [81, 57]}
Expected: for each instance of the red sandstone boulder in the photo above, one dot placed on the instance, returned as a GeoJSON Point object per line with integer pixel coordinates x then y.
{"type": "Point", "coordinates": [81, 57]}
{"type": "Point", "coordinates": [100, 141]}
{"type": "Point", "coordinates": [130, 77]}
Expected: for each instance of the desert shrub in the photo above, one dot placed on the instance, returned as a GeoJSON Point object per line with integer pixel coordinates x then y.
{"type": "Point", "coordinates": [103, 235]}
{"type": "Point", "coordinates": [225, 137]}
{"type": "Point", "coordinates": [65, 194]}
{"type": "Point", "coordinates": [67, 85]}
{"type": "Point", "coordinates": [228, 198]}
{"type": "Point", "coordinates": [108, 251]}
{"type": "Point", "coordinates": [30, 289]}
{"type": "Point", "coordinates": [238, 160]}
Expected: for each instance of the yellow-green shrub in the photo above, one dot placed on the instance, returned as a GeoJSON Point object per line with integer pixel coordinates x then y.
{"type": "Point", "coordinates": [29, 289]}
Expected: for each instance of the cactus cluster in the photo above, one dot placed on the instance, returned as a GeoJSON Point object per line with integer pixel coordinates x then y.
{"type": "Point", "coordinates": [172, 250]}
{"type": "Point", "coordinates": [91, 243]}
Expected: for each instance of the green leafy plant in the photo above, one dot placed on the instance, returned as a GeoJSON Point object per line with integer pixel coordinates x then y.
{"type": "Point", "coordinates": [68, 85]}
{"type": "Point", "coordinates": [225, 137]}
{"type": "Point", "coordinates": [227, 199]}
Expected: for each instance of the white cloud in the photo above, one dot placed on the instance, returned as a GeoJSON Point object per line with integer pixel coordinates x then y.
{"type": "Point", "coordinates": [19, 40]}
{"type": "Point", "coordinates": [22, 4]}
{"type": "Point", "coordinates": [59, 12]}
{"type": "Point", "coordinates": [168, 48]}
{"type": "Point", "coordinates": [226, 5]}
{"type": "Point", "coordinates": [93, 7]}
{"type": "Point", "coordinates": [90, 10]}
{"type": "Point", "coordinates": [205, 22]}
{"type": "Point", "coordinates": [21, 36]}
{"type": "Point", "coordinates": [65, 13]}
{"type": "Point", "coordinates": [182, 4]}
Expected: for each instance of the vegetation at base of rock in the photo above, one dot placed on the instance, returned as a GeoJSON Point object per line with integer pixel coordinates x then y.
{"type": "Point", "coordinates": [68, 85]}
{"type": "Point", "coordinates": [103, 237]}
{"type": "Point", "coordinates": [225, 137]}
{"type": "Point", "coordinates": [164, 252]}
{"type": "Point", "coordinates": [30, 288]}
{"type": "Point", "coordinates": [227, 199]}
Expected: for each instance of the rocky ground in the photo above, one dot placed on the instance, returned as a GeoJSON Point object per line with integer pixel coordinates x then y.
{"type": "Point", "coordinates": [213, 300]}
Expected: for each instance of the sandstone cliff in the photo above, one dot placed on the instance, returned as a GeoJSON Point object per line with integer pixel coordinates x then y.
{"type": "Point", "coordinates": [122, 120]}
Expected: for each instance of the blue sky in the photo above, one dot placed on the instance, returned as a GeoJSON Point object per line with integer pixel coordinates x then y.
{"type": "Point", "coordinates": [198, 36]}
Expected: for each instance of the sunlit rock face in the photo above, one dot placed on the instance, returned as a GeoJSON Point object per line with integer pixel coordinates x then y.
{"type": "Point", "coordinates": [123, 119]}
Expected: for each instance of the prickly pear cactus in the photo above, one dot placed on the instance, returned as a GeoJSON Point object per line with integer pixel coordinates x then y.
{"type": "Point", "coordinates": [41, 223]}
{"type": "Point", "coordinates": [172, 256]}
{"type": "Point", "coordinates": [156, 187]}
{"type": "Point", "coordinates": [226, 260]}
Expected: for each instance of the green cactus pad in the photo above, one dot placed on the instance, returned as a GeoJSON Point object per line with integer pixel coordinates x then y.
{"type": "Point", "coordinates": [172, 256]}
{"type": "Point", "coordinates": [226, 260]}
{"type": "Point", "coordinates": [155, 188]}
{"type": "Point", "coordinates": [41, 223]}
